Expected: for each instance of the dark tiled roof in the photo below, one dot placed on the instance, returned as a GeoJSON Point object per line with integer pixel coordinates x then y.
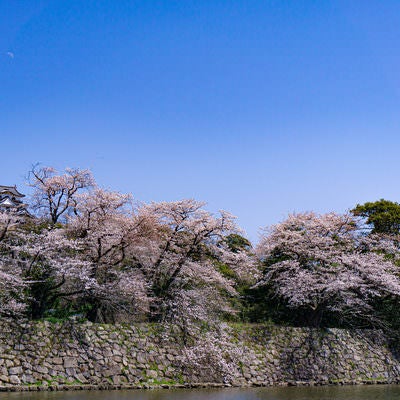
{"type": "Point", "coordinates": [10, 189]}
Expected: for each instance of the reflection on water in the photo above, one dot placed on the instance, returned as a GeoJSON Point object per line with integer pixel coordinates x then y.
{"type": "Point", "coordinates": [381, 392]}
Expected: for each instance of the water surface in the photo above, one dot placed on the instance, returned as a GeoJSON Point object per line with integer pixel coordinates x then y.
{"type": "Point", "coordinates": [380, 392]}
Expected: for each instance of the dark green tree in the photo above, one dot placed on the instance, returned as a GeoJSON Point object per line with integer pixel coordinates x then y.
{"type": "Point", "coordinates": [237, 243]}
{"type": "Point", "coordinates": [382, 215]}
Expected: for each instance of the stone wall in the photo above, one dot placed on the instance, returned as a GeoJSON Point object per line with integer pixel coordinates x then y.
{"type": "Point", "coordinates": [42, 354]}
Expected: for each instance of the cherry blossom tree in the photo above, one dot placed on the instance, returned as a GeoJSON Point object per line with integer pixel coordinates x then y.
{"type": "Point", "coordinates": [56, 194]}
{"type": "Point", "coordinates": [7, 221]}
{"type": "Point", "coordinates": [106, 223]}
{"type": "Point", "coordinates": [158, 259]}
{"type": "Point", "coordinates": [320, 264]}
{"type": "Point", "coordinates": [51, 267]}
{"type": "Point", "coordinates": [214, 356]}
{"type": "Point", "coordinates": [162, 261]}
{"type": "Point", "coordinates": [37, 267]}
{"type": "Point", "coordinates": [179, 261]}
{"type": "Point", "coordinates": [11, 283]}
{"type": "Point", "coordinates": [167, 252]}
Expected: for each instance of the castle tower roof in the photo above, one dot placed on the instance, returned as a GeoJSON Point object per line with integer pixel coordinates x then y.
{"type": "Point", "coordinates": [10, 201]}
{"type": "Point", "coordinates": [10, 190]}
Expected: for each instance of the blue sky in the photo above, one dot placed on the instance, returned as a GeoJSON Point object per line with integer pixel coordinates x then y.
{"type": "Point", "coordinates": [258, 107]}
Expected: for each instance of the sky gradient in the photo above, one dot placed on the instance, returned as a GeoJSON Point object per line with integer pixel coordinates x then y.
{"type": "Point", "coordinates": [257, 107]}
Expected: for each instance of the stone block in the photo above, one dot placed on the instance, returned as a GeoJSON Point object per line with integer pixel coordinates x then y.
{"type": "Point", "coordinates": [41, 369]}
{"type": "Point", "coordinates": [9, 363]}
{"type": "Point", "coordinates": [111, 371]}
{"type": "Point", "coordinates": [15, 370]}
{"type": "Point", "coordinates": [70, 371]}
{"type": "Point", "coordinates": [151, 373]}
{"type": "Point", "coordinates": [27, 379]}
{"type": "Point", "coordinates": [15, 380]}
{"type": "Point", "coordinates": [70, 362]}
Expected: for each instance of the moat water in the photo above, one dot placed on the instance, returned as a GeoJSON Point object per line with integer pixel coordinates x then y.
{"type": "Point", "coordinates": [379, 392]}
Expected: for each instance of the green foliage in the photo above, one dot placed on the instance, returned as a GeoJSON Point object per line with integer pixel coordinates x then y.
{"type": "Point", "coordinates": [382, 215]}
{"type": "Point", "coordinates": [225, 270]}
{"type": "Point", "coordinates": [237, 242]}
{"type": "Point", "coordinates": [38, 225]}
{"type": "Point", "coordinates": [388, 308]}
{"type": "Point", "coordinates": [260, 305]}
